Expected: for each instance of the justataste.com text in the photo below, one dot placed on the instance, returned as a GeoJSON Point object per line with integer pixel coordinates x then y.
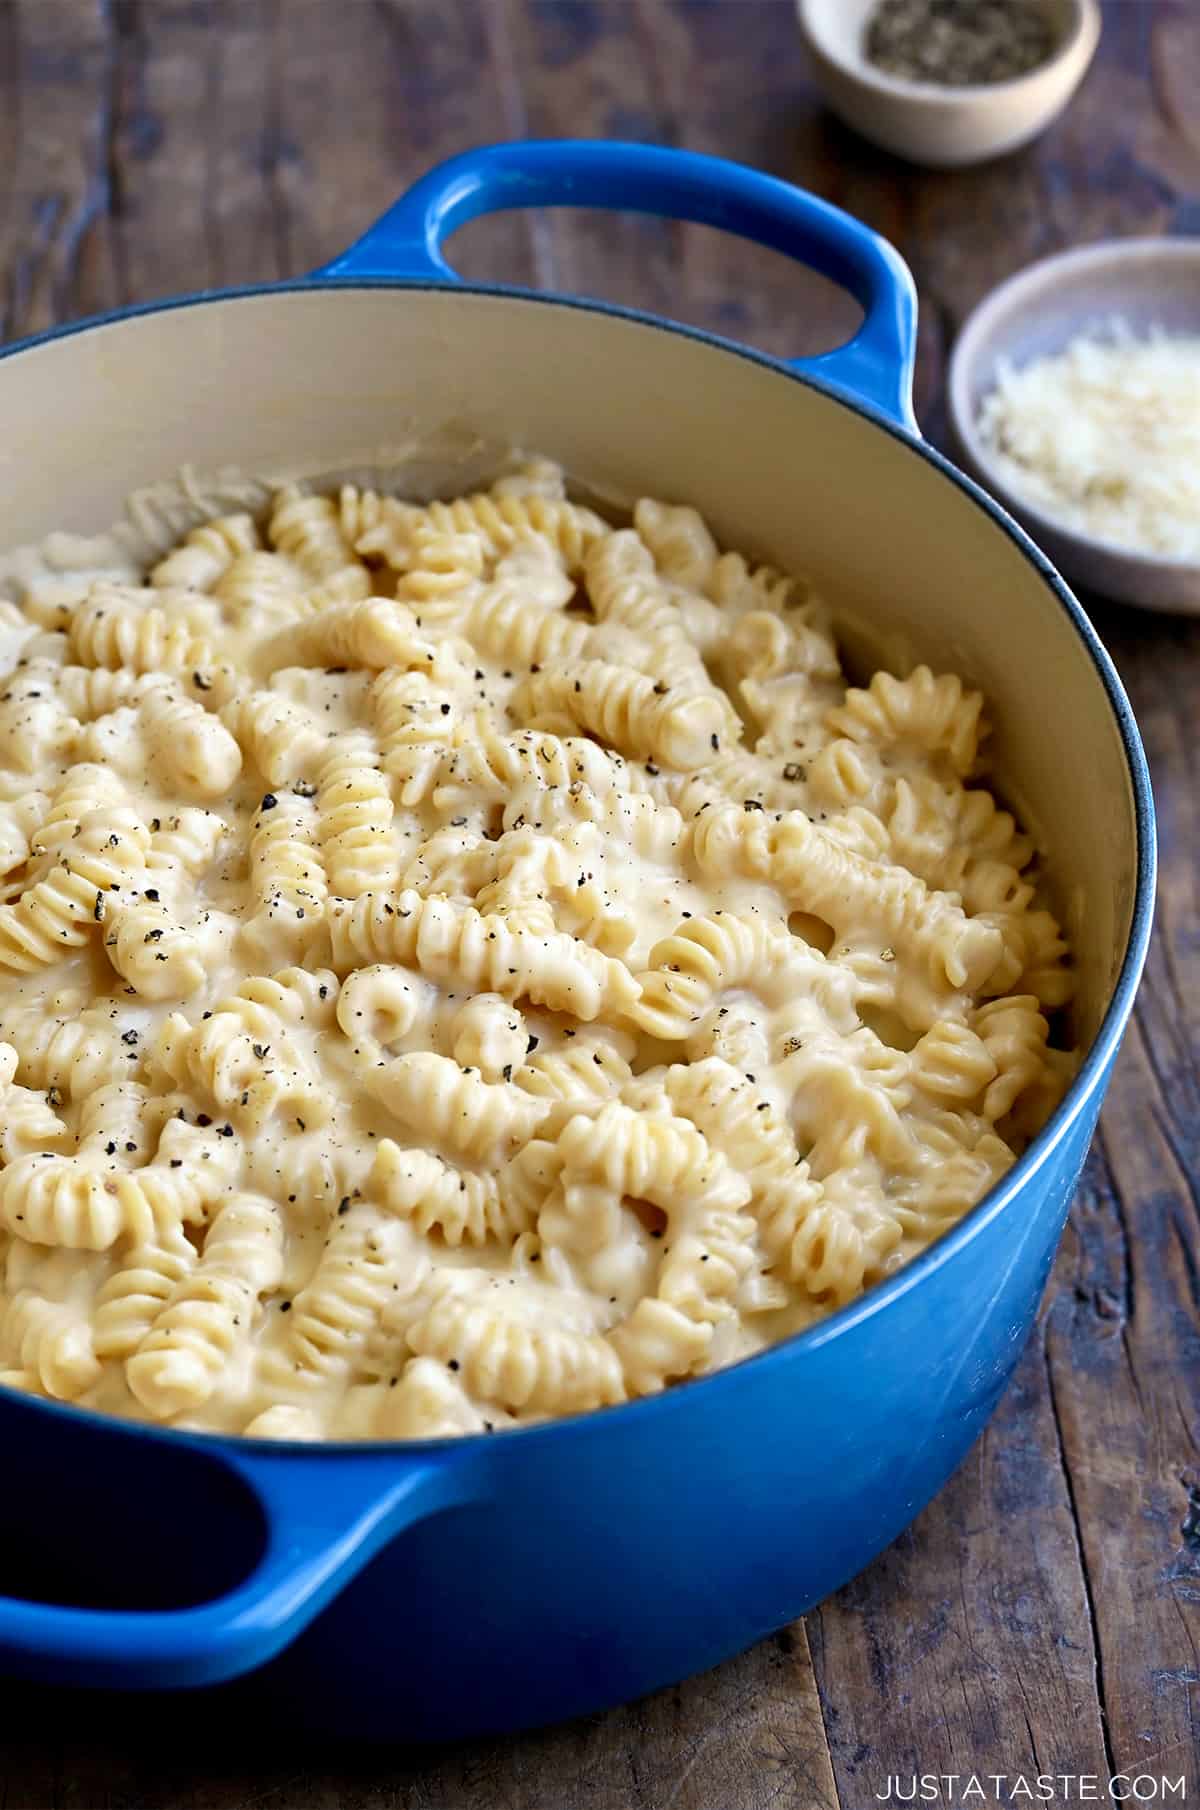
{"type": "Point", "coordinates": [1032, 1788]}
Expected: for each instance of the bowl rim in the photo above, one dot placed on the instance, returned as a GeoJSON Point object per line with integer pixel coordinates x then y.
{"type": "Point", "coordinates": [1081, 38]}
{"type": "Point", "coordinates": [1016, 295]}
{"type": "Point", "coordinates": [1090, 1079]}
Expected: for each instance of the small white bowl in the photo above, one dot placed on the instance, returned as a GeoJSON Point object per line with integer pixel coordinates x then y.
{"type": "Point", "coordinates": [932, 124]}
{"type": "Point", "coordinates": [1147, 283]}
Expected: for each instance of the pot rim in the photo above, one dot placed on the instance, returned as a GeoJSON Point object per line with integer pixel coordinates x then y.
{"type": "Point", "coordinates": [1092, 1071]}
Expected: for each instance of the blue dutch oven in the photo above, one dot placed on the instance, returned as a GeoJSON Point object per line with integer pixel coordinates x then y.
{"type": "Point", "coordinates": [445, 1588]}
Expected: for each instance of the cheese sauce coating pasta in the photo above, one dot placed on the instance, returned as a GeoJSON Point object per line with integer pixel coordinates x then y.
{"type": "Point", "coordinates": [466, 963]}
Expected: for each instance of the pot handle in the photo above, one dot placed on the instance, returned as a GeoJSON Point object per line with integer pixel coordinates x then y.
{"type": "Point", "coordinates": [326, 1513]}
{"type": "Point", "coordinates": [875, 366]}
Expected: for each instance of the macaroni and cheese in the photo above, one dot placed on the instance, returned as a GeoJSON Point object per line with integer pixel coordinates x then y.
{"type": "Point", "coordinates": [465, 963]}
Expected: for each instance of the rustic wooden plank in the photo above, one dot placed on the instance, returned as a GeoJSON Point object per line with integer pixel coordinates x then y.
{"type": "Point", "coordinates": [239, 145]}
{"type": "Point", "coordinates": [738, 88]}
{"type": "Point", "coordinates": [581, 73]}
{"type": "Point", "coordinates": [1125, 1342]}
{"type": "Point", "coordinates": [644, 70]}
{"type": "Point", "coordinates": [967, 1647]}
{"type": "Point", "coordinates": [370, 96]}
{"type": "Point", "coordinates": [748, 1736]}
{"type": "Point", "coordinates": [195, 146]}
{"type": "Point", "coordinates": [55, 61]}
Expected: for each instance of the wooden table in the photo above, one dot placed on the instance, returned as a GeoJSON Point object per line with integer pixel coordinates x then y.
{"type": "Point", "coordinates": [1043, 1615]}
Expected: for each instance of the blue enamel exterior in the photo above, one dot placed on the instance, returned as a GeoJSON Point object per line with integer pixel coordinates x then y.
{"type": "Point", "coordinates": [559, 1569]}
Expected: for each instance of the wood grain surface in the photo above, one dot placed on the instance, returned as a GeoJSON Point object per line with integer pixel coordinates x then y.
{"type": "Point", "coordinates": [1043, 1616]}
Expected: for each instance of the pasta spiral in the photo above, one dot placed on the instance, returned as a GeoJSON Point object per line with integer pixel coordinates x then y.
{"type": "Point", "coordinates": [502, 521]}
{"type": "Point", "coordinates": [307, 530]}
{"type": "Point", "coordinates": [27, 1119]}
{"type": "Point", "coordinates": [414, 719]}
{"type": "Point", "coordinates": [938, 714]}
{"type": "Point", "coordinates": [490, 1035]}
{"type": "Point", "coordinates": [88, 692]}
{"type": "Point", "coordinates": [1013, 1034]}
{"type": "Point", "coordinates": [431, 1095]}
{"type": "Point", "coordinates": [85, 787]}
{"type": "Point", "coordinates": [377, 526]}
{"type": "Point", "coordinates": [441, 570]}
{"type": "Point", "coordinates": [504, 625]}
{"type": "Point", "coordinates": [459, 1203]}
{"type": "Point", "coordinates": [210, 1310]}
{"type": "Point", "coordinates": [282, 739]}
{"type": "Point", "coordinates": [261, 589]}
{"type": "Point", "coordinates": [355, 815]}
{"type": "Point", "coordinates": [63, 911]}
{"type": "Point", "coordinates": [705, 956]}
{"type": "Point", "coordinates": [664, 1160]}
{"type": "Point", "coordinates": [69, 1202]}
{"type": "Point", "coordinates": [197, 752]}
{"type": "Point", "coordinates": [373, 632]}
{"type": "Point", "coordinates": [134, 1295]}
{"type": "Point", "coordinates": [832, 882]}
{"type": "Point", "coordinates": [640, 716]}
{"type": "Point", "coordinates": [496, 764]}
{"type": "Point", "coordinates": [243, 1054]}
{"type": "Point", "coordinates": [522, 1361]}
{"type": "Point", "coordinates": [679, 540]}
{"type": "Point", "coordinates": [287, 875]}
{"type": "Point", "coordinates": [110, 630]}
{"type": "Point", "coordinates": [68, 1051]}
{"type": "Point", "coordinates": [484, 952]}
{"type": "Point", "coordinates": [624, 588]}
{"type": "Point", "coordinates": [207, 553]}
{"type": "Point", "coordinates": [51, 1340]}
{"type": "Point", "coordinates": [332, 1316]}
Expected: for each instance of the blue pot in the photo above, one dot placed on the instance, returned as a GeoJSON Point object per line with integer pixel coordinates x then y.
{"type": "Point", "coordinates": [451, 1587]}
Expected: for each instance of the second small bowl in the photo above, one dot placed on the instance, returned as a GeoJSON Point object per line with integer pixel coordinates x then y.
{"type": "Point", "coordinates": [946, 127]}
{"type": "Point", "coordinates": [1144, 282]}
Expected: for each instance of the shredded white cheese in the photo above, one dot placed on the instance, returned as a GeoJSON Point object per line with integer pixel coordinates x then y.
{"type": "Point", "coordinates": [1105, 436]}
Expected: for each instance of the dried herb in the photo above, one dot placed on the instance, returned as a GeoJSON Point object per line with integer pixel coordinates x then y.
{"type": "Point", "coordinates": [959, 43]}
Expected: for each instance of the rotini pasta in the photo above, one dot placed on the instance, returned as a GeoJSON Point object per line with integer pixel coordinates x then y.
{"type": "Point", "coordinates": [195, 751]}
{"type": "Point", "coordinates": [502, 519]}
{"type": "Point", "coordinates": [516, 1350]}
{"type": "Point", "coordinates": [374, 633]}
{"type": "Point", "coordinates": [114, 629]}
{"type": "Point", "coordinates": [287, 875]}
{"type": "Point", "coordinates": [643, 717]}
{"type": "Point", "coordinates": [283, 740]}
{"type": "Point", "coordinates": [65, 910]}
{"type": "Point", "coordinates": [51, 1341]}
{"type": "Point", "coordinates": [462, 962]}
{"type": "Point", "coordinates": [249, 1055]}
{"type": "Point", "coordinates": [210, 1310]}
{"type": "Point", "coordinates": [207, 554]}
{"type": "Point", "coordinates": [484, 951]}
{"type": "Point", "coordinates": [460, 1204]}
{"type": "Point", "coordinates": [355, 815]}
{"type": "Point", "coordinates": [307, 530]}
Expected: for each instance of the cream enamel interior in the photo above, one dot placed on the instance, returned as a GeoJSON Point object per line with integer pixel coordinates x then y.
{"type": "Point", "coordinates": [324, 381]}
